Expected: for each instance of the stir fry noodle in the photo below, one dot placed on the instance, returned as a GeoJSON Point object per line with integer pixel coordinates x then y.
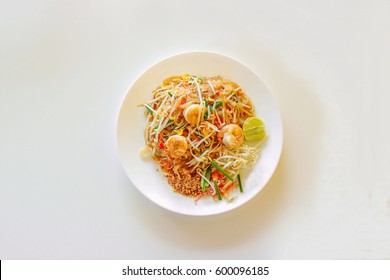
{"type": "Point", "coordinates": [194, 131]}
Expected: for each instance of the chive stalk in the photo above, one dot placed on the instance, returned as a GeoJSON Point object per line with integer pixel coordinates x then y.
{"type": "Point", "coordinates": [222, 170]}
{"type": "Point", "coordinates": [211, 108]}
{"type": "Point", "coordinates": [203, 183]}
{"type": "Point", "coordinates": [151, 111]}
{"type": "Point", "coordinates": [239, 183]}
{"type": "Point", "coordinates": [218, 104]}
{"type": "Point", "coordinates": [217, 189]}
{"type": "Point", "coordinates": [206, 114]}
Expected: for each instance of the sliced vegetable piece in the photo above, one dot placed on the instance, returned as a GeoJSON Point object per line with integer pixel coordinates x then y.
{"type": "Point", "coordinates": [203, 183]}
{"type": "Point", "coordinates": [151, 111]}
{"type": "Point", "coordinates": [239, 183]}
{"type": "Point", "coordinates": [222, 170]}
{"type": "Point", "coordinates": [218, 104]}
{"type": "Point", "coordinates": [218, 191]}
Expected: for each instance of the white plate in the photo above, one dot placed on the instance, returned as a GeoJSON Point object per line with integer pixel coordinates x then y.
{"type": "Point", "coordinates": [131, 122]}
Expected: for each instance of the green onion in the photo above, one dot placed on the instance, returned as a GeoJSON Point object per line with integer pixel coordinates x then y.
{"type": "Point", "coordinates": [222, 170]}
{"type": "Point", "coordinates": [217, 189]}
{"type": "Point", "coordinates": [169, 93]}
{"type": "Point", "coordinates": [218, 104]}
{"type": "Point", "coordinates": [206, 115]}
{"type": "Point", "coordinates": [203, 183]}
{"type": "Point", "coordinates": [170, 121]}
{"type": "Point", "coordinates": [239, 183]}
{"type": "Point", "coordinates": [151, 111]}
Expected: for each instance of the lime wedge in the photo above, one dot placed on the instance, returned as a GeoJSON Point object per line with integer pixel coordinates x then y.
{"type": "Point", "coordinates": [254, 129]}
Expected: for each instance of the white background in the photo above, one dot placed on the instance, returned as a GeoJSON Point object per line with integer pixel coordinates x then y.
{"type": "Point", "coordinates": [65, 67]}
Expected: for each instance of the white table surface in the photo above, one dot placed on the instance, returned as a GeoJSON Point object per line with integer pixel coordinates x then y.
{"type": "Point", "coordinates": [65, 67]}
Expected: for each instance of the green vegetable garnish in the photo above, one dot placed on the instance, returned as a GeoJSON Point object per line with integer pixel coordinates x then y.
{"type": "Point", "coordinates": [169, 93]}
{"type": "Point", "coordinates": [203, 183]}
{"type": "Point", "coordinates": [239, 183]}
{"type": "Point", "coordinates": [217, 189]}
{"type": "Point", "coordinates": [218, 104]}
{"type": "Point", "coordinates": [151, 111]}
{"type": "Point", "coordinates": [206, 115]}
{"type": "Point", "coordinates": [222, 170]}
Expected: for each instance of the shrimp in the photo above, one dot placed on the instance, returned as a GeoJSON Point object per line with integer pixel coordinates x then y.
{"type": "Point", "coordinates": [176, 146]}
{"type": "Point", "coordinates": [231, 136]}
{"type": "Point", "coordinates": [191, 114]}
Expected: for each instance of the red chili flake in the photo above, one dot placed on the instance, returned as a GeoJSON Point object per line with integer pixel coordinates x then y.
{"type": "Point", "coordinates": [161, 145]}
{"type": "Point", "coordinates": [216, 175]}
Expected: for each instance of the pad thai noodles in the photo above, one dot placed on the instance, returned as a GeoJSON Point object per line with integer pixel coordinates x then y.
{"type": "Point", "coordinates": [194, 132]}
